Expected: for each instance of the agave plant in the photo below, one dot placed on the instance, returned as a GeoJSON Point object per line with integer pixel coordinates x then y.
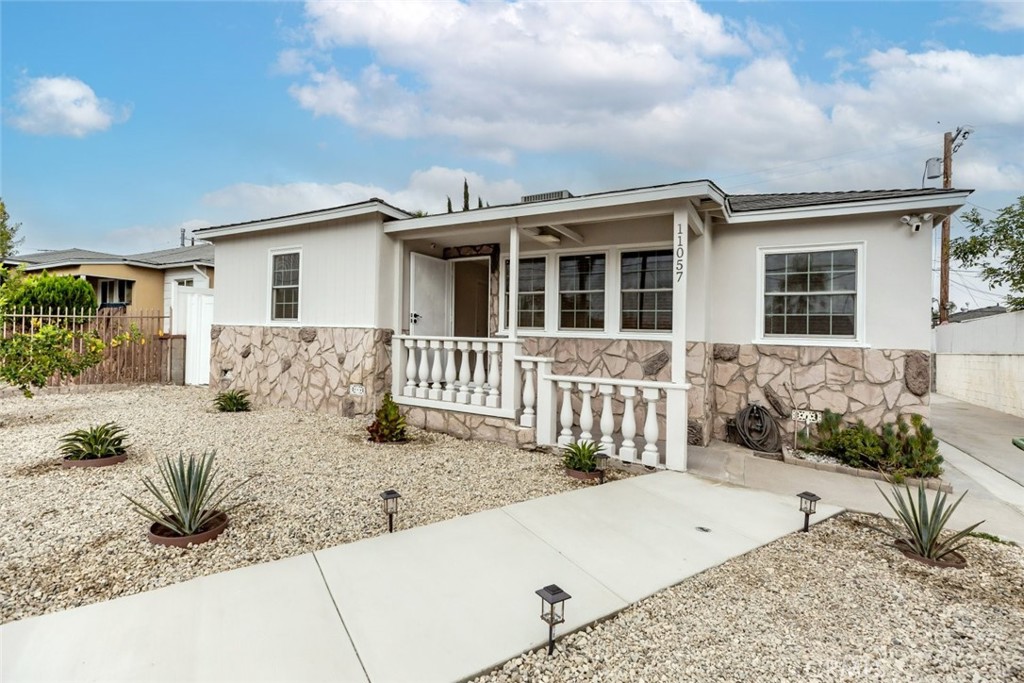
{"type": "Point", "coordinates": [232, 401]}
{"type": "Point", "coordinates": [922, 525]}
{"type": "Point", "coordinates": [581, 456]}
{"type": "Point", "coordinates": [191, 498]}
{"type": "Point", "coordinates": [97, 441]}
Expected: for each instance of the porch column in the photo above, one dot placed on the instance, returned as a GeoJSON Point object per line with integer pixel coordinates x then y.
{"type": "Point", "coordinates": [675, 401]}
{"type": "Point", "coordinates": [513, 281]}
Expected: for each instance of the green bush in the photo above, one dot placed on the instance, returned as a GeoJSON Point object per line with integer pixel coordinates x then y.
{"type": "Point", "coordinates": [190, 498]}
{"type": "Point", "coordinates": [233, 401]}
{"type": "Point", "coordinates": [581, 456]}
{"type": "Point", "coordinates": [388, 425]}
{"type": "Point", "coordinates": [900, 450]}
{"type": "Point", "coordinates": [31, 359]}
{"type": "Point", "coordinates": [98, 441]}
{"type": "Point", "coordinates": [45, 292]}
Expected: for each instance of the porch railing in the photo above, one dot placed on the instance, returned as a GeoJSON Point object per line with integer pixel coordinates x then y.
{"type": "Point", "coordinates": [549, 405]}
{"type": "Point", "coordinates": [467, 374]}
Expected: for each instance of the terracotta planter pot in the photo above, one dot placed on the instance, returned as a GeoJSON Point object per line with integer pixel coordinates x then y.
{"type": "Point", "coordinates": [161, 535]}
{"type": "Point", "coordinates": [584, 476]}
{"type": "Point", "coordinates": [952, 561]}
{"type": "Point", "coordinates": [95, 462]}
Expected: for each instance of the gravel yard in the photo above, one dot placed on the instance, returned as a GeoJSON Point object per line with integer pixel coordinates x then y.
{"type": "Point", "coordinates": [69, 538]}
{"type": "Point", "coordinates": [836, 604]}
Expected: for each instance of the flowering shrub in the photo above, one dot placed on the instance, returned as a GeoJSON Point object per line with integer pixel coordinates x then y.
{"type": "Point", "coordinates": [30, 360]}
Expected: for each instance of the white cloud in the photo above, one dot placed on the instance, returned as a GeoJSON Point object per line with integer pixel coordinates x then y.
{"type": "Point", "coordinates": [61, 105]}
{"type": "Point", "coordinates": [664, 82]}
{"type": "Point", "coordinates": [136, 239]}
{"type": "Point", "coordinates": [1003, 16]}
{"type": "Point", "coordinates": [426, 190]}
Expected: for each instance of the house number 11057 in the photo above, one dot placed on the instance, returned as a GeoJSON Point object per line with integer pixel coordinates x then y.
{"type": "Point", "coordinates": [680, 252]}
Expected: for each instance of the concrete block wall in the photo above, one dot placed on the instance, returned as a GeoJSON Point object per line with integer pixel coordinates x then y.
{"type": "Point", "coordinates": [993, 381]}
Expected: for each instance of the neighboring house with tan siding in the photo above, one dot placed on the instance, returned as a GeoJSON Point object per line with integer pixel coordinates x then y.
{"type": "Point", "coordinates": [642, 318]}
{"type": "Point", "coordinates": [144, 281]}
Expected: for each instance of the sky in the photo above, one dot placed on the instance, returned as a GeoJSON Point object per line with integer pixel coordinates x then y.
{"type": "Point", "coordinates": [123, 122]}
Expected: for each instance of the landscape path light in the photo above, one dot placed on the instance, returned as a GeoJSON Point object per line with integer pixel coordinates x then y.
{"type": "Point", "coordinates": [552, 610]}
{"type": "Point", "coordinates": [808, 506]}
{"type": "Point", "coordinates": [390, 498]}
{"type": "Point", "coordinates": [602, 465]}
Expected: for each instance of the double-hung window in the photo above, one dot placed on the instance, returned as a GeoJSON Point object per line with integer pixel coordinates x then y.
{"type": "Point", "coordinates": [531, 292]}
{"type": "Point", "coordinates": [116, 292]}
{"type": "Point", "coordinates": [646, 285]}
{"type": "Point", "coordinates": [811, 293]}
{"type": "Point", "coordinates": [284, 301]}
{"type": "Point", "coordinates": [581, 287]}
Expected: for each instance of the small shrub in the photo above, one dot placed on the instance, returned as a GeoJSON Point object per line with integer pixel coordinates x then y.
{"type": "Point", "coordinates": [581, 456]}
{"type": "Point", "coordinates": [190, 498]}
{"type": "Point", "coordinates": [98, 441]}
{"type": "Point", "coordinates": [901, 450]}
{"type": "Point", "coordinates": [233, 401]}
{"type": "Point", "coordinates": [922, 525]}
{"type": "Point", "coordinates": [388, 425]}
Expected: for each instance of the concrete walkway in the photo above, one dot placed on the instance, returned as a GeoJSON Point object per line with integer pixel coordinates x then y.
{"type": "Point", "coordinates": [979, 459]}
{"type": "Point", "coordinates": [435, 603]}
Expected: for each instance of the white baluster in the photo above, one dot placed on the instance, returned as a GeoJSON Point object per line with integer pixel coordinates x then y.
{"type": "Point", "coordinates": [650, 456]}
{"type": "Point", "coordinates": [479, 375]}
{"type": "Point", "coordinates": [494, 374]}
{"type": "Point", "coordinates": [436, 371]}
{"type": "Point", "coordinates": [464, 376]}
{"type": "Point", "coordinates": [586, 413]}
{"type": "Point", "coordinates": [607, 419]}
{"type": "Point", "coordinates": [410, 368]}
{"type": "Point", "coordinates": [628, 449]}
{"type": "Point", "coordinates": [529, 416]}
{"type": "Point", "coordinates": [421, 391]}
{"type": "Point", "coordinates": [565, 436]}
{"type": "Point", "coordinates": [449, 372]}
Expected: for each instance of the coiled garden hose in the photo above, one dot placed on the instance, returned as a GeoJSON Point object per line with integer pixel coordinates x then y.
{"type": "Point", "coordinates": [758, 430]}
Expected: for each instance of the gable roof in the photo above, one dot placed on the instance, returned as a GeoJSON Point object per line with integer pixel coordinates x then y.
{"type": "Point", "coordinates": [370, 206]}
{"type": "Point", "coordinates": [738, 203]}
{"type": "Point", "coordinates": [199, 254]}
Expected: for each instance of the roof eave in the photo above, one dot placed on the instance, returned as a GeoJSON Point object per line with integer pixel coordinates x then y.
{"type": "Point", "coordinates": [681, 191]}
{"type": "Point", "coordinates": [268, 224]}
{"type": "Point", "coordinates": [935, 202]}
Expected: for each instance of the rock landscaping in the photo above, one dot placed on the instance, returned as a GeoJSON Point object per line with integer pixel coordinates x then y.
{"type": "Point", "coordinates": [839, 603]}
{"type": "Point", "coordinates": [69, 537]}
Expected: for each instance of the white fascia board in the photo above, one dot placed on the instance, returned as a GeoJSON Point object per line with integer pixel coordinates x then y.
{"type": "Point", "coordinates": [908, 204]}
{"type": "Point", "coordinates": [86, 264]}
{"type": "Point", "coordinates": [514, 211]}
{"type": "Point", "coordinates": [365, 209]}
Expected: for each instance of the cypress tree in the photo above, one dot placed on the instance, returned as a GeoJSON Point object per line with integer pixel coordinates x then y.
{"type": "Point", "coordinates": [465, 194]}
{"type": "Point", "coordinates": [449, 205]}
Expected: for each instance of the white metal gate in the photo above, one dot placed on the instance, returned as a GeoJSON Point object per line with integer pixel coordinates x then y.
{"type": "Point", "coordinates": [193, 317]}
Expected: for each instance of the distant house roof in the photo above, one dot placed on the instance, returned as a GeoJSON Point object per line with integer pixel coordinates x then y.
{"type": "Point", "coordinates": [976, 313]}
{"type": "Point", "coordinates": [739, 203]}
{"type": "Point", "coordinates": [200, 254]}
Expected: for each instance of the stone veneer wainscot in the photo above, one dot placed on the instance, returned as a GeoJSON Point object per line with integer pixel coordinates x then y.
{"type": "Point", "coordinates": [311, 368]}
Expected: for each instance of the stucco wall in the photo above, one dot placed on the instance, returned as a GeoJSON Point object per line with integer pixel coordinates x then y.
{"type": "Point", "coordinates": [982, 361]}
{"type": "Point", "coordinates": [199, 279]}
{"type": "Point", "coordinates": [345, 275]}
{"type": "Point", "coordinates": [147, 290]}
{"type": "Point", "coordinates": [988, 380]}
{"type": "Point", "coordinates": [897, 276]}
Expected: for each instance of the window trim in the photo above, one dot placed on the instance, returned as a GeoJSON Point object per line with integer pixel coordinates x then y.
{"type": "Point", "coordinates": [271, 253]}
{"type": "Point", "coordinates": [860, 322]}
{"type": "Point", "coordinates": [503, 275]}
{"type": "Point", "coordinates": [608, 262]}
{"type": "Point", "coordinates": [613, 304]}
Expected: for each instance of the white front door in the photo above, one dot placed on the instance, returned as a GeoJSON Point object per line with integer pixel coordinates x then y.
{"type": "Point", "coordinates": [429, 296]}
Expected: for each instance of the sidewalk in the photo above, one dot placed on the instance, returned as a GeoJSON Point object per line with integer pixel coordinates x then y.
{"type": "Point", "coordinates": [436, 603]}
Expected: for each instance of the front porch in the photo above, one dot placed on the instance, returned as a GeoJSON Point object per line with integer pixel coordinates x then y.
{"type": "Point", "coordinates": [579, 338]}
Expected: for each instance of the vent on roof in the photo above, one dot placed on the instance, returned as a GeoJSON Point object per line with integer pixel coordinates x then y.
{"type": "Point", "coordinates": [546, 196]}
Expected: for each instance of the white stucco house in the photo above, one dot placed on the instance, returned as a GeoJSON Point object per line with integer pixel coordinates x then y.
{"type": "Point", "coordinates": [643, 318]}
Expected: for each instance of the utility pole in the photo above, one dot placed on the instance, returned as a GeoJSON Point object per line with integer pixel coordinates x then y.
{"type": "Point", "coordinates": [947, 182]}
{"type": "Point", "coordinates": [951, 142]}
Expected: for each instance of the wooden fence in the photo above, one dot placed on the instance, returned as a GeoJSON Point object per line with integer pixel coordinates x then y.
{"type": "Point", "coordinates": [132, 353]}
